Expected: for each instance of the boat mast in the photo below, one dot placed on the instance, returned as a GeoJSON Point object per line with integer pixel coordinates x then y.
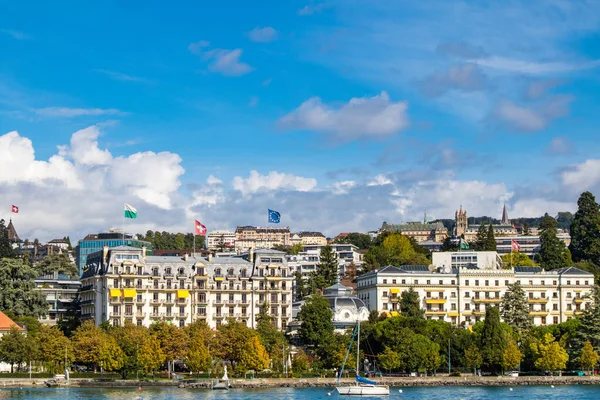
{"type": "Point", "coordinates": [357, 351]}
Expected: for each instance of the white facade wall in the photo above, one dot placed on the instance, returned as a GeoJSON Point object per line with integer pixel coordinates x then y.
{"type": "Point", "coordinates": [213, 239]}
{"type": "Point", "coordinates": [481, 259]}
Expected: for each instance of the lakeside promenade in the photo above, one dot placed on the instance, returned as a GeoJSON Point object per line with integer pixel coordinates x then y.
{"type": "Point", "coordinates": [468, 380]}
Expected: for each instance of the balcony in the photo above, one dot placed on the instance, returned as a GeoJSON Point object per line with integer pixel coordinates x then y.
{"type": "Point", "coordinates": [538, 313]}
{"type": "Point", "coordinates": [394, 299]}
{"type": "Point", "coordinates": [487, 300]}
{"type": "Point", "coordinates": [182, 315]}
{"type": "Point", "coordinates": [274, 277]}
{"type": "Point", "coordinates": [154, 315]}
{"type": "Point", "coordinates": [543, 300]}
{"type": "Point", "coordinates": [169, 301]}
{"type": "Point", "coordinates": [435, 300]}
{"type": "Point", "coordinates": [116, 314]}
{"type": "Point", "coordinates": [140, 314]}
{"type": "Point", "coordinates": [231, 277]}
{"type": "Point", "coordinates": [479, 313]}
{"type": "Point", "coordinates": [435, 312]}
{"type": "Point", "coordinates": [219, 301]}
{"type": "Point", "coordinates": [156, 302]}
{"type": "Point", "coordinates": [578, 300]}
{"type": "Point", "coordinates": [170, 315]}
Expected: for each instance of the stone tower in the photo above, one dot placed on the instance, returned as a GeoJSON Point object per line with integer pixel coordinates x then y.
{"type": "Point", "coordinates": [462, 223]}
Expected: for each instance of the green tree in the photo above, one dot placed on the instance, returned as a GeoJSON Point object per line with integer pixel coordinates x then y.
{"type": "Point", "coordinates": [360, 240]}
{"type": "Point", "coordinates": [198, 357]}
{"type": "Point", "coordinates": [514, 308]}
{"type": "Point", "coordinates": [549, 355]}
{"type": "Point", "coordinates": [302, 289]}
{"type": "Point", "coordinates": [588, 357]}
{"type": "Point", "coordinates": [410, 304]}
{"type": "Point", "coordinates": [315, 316]}
{"type": "Point", "coordinates": [517, 259]}
{"type": "Point", "coordinates": [552, 249]}
{"type": "Point", "coordinates": [60, 263]}
{"type": "Point", "coordinates": [17, 289]}
{"type": "Point", "coordinates": [16, 348]}
{"type": "Point", "coordinates": [255, 356]}
{"type": "Point", "coordinates": [493, 341]}
{"type": "Point", "coordinates": [481, 239]}
{"type": "Point", "coordinates": [589, 327]}
{"type": "Point", "coordinates": [6, 250]}
{"type": "Point", "coordinates": [450, 244]}
{"type": "Point", "coordinates": [512, 356]}
{"type": "Point", "coordinates": [173, 340]}
{"type": "Point", "coordinates": [151, 355]}
{"type": "Point", "coordinates": [300, 362]}
{"type": "Point", "coordinates": [271, 338]}
{"type": "Point", "coordinates": [473, 357]}
{"type": "Point", "coordinates": [130, 339]}
{"type": "Point", "coordinates": [389, 360]}
{"type": "Point", "coordinates": [328, 266]}
{"type": "Point", "coordinates": [232, 342]}
{"type": "Point", "coordinates": [526, 230]}
{"type": "Point", "coordinates": [54, 347]}
{"type": "Point", "coordinates": [391, 248]}
{"type": "Point", "coordinates": [93, 345]}
{"type": "Point", "coordinates": [585, 230]}
{"type": "Point", "coordinates": [490, 239]}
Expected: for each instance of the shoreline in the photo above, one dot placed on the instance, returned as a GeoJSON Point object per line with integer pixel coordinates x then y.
{"type": "Point", "coordinates": [265, 383]}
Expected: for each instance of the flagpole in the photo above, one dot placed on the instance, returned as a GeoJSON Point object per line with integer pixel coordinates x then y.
{"type": "Point", "coordinates": [123, 224]}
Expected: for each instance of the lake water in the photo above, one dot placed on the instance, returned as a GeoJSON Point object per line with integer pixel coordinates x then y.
{"type": "Point", "coordinates": [437, 393]}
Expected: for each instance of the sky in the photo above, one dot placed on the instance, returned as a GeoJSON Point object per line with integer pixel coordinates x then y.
{"type": "Point", "coordinates": [338, 114]}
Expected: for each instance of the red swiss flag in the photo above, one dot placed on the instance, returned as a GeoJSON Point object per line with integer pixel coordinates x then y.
{"type": "Point", "coordinates": [15, 209]}
{"type": "Point", "coordinates": [199, 229]}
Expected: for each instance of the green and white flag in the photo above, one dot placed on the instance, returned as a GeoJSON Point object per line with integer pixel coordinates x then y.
{"type": "Point", "coordinates": [130, 212]}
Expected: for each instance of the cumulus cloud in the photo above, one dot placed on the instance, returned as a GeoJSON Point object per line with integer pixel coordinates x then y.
{"type": "Point", "coordinates": [360, 118]}
{"type": "Point", "coordinates": [272, 181]}
{"type": "Point", "coordinates": [583, 176]}
{"type": "Point", "coordinates": [263, 35]}
{"type": "Point", "coordinates": [534, 118]}
{"type": "Point", "coordinates": [223, 61]}
{"type": "Point", "coordinates": [468, 78]}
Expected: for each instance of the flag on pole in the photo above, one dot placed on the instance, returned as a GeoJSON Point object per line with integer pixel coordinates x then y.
{"type": "Point", "coordinates": [199, 229]}
{"type": "Point", "coordinates": [274, 217]}
{"type": "Point", "coordinates": [514, 245]}
{"type": "Point", "coordinates": [130, 211]}
{"type": "Point", "coordinates": [15, 209]}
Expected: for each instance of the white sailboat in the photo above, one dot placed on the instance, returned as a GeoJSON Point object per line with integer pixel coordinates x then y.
{"type": "Point", "coordinates": [363, 387]}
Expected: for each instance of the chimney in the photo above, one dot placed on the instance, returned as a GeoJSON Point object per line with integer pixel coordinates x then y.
{"type": "Point", "coordinates": [105, 253]}
{"type": "Point", "coordinates": [143, 251]}
{"type": "Point", "coordinates": [185, 257]}
{"type": "Point", "coordinates": [251, 254]}
{"type": "Point", "coordinates": [209, 257]}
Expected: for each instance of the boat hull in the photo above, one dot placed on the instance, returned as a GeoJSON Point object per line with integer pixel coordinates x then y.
{"type": "Point", "coordinates": [363, 390]}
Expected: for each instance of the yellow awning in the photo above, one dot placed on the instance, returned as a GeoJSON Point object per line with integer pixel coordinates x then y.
{"type": "Point", "coordinates": [183, 294]}
{"type": "Point", "coordinates": [127, 262]}
{"type": "Point", "coordinates": [218, 278]}
{"type": "Point", "coordinates": [115, 292]}
{"type": "Point", "coordinates": [129, 293]}
{"type": "Point", "coordinates": [394, 290]}
{"type": "Point", "coordinates": [395, 314]}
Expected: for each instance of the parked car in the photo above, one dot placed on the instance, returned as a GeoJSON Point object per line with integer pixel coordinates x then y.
{"type": "Point", "coordinates": [512, 373]}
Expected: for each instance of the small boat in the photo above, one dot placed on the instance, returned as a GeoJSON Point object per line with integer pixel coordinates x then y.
{"type": "Point", "coordinates": [223, 383]}
{"type": "Point", "coordinates": [363, 386]}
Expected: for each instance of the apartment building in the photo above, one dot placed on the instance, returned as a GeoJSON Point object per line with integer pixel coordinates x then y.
{"type": "Point", "coordinates": [528, 245]}
{"type": "Point", "coordinates": [60, 292]}
{"type": "Point", "coordinates": [346, 253]}
{"type": "Point", "coordinates": [465, 258]}
{"type": "Point", "coordinates": [426, 231]}
{"type": "Point", "coordinates": [124, 284]}
{"type": "Point", "coordinates": [460, 296]}
{"type": "Point", "coordinates": [254, 237]}
{"type": "Point", "coordinates": [314, 238]}
{"type": "Point", "coordinates": [220, 240]}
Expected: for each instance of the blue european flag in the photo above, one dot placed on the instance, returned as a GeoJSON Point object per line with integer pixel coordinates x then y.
{"type": "Point", "coordinates": [274, 217]}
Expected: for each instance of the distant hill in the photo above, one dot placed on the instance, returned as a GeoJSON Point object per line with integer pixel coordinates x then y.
{"type": "Point", "coordinates": [563, 220]}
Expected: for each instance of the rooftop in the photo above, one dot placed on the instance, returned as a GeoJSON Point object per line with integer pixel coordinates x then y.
{"type": "Point", "coordinates": [6, 323]}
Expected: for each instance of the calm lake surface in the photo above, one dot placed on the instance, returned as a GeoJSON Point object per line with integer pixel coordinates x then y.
{"type": "Point", "coordinates": [437, 393]}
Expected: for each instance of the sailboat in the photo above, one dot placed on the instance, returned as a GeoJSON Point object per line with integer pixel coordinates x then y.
{"type": "Point", "coordinates": [363, 386]}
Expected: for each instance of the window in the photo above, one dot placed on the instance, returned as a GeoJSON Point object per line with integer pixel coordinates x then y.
{"type": "Point", "coordinates": [429, 281]}
{"type": "Point", "coordinates": [416, 282]}
{"type": "Point", "coordinates": [231, 311]}
{"type": "Point", "coordinates": [230, 297]}
{"type": "Point", "coordinates": [181, 323]}
{"type": "Point", "coordinates": [385, 281]}
{"type": "Point", "coordinates": [155, 284]}
{"type": "Point", "coordinates": [554, 307]}
{"type": "Point", "coordinates": [569, 308]}
{"type": "Point", "coordinates": [476, 282]}
{"type": "Point", "coordinates": [441, 282]}
{"type": "Point", "coordinates": [577, 283]}
{"type": "Point", "coordinates": [569, 294]}
{"type": "Point", "coordinates": [555, 320]}
{"type": "Point", "coordinates": [555, 295]}
{"type": "Point", "coordinates": [139, 298]}
{"type": "Point", "coordinates": [586, 283]}
{"type": "Point", "coordinates": [452, 282]}
{"type": "Point", "coordinates": [467, 307]}
{"type": "Point", "coordinates": [543, 283]}
{"type": "Point", "coordinates": [568, 282]}
{"type": "Point", "coordinates": [182, 310]}
{"type": "Point", "coordinates": [487, 283]}
{"type": "Point", "coordinates": [453, 295]}
{"type": "Point", "coordinates": [531, 283]}
{"type": "Point", "coordinates": [467, 295]}
{"type": "Point", "coordinates": [497, 283]}
{"type": "Point", "coordinates": [467, 282]}
{"type": "Point", "coordinates": [543, 320]}
{"type": "Point", "coordinates": [115, 322]}
{"type": "Point", "coordinates": [116, 283]}
{"type": "Point", "coordinates": [506, 282]}
{"type": "Point", "coordinates": [385, 294]}
{"type": "Point", "coordinates": [393, 281]}
{"type": "Point", "coordinates": [453, 306]}
{"type": "Point", "coordinates": [139, 322]}
{"type": "Point", "coordinates": [385, 306]}
{"type": "Point", "coordinates": [404, 282]}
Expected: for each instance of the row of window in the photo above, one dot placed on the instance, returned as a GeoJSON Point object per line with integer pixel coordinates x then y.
{"type": "Point", "coordinates": [486, 282]}
{"type": "Point", "coordinates": [482, 307]}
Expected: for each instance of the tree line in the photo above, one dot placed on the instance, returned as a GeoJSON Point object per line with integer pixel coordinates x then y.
{"type": "Point", "coordinates": [172, 241]}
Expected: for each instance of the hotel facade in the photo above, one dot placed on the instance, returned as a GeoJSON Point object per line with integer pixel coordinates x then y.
{"type": "Point", "coordinates": [124, 284]}
{"type": "Point", "coordinates": [461, 295]}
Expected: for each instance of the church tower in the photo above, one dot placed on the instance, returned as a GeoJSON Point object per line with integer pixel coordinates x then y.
{"type": "Point", "coordinates": [505, 220]}
{"type": "Point", "coordinates": [461, 220]}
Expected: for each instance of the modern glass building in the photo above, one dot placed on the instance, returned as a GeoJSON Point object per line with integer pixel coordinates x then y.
{"type": "Point", "coordinates": [113, 238]}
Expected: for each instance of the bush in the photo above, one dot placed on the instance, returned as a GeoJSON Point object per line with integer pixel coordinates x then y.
{"type": "Point", "coordinates": [455, 373]}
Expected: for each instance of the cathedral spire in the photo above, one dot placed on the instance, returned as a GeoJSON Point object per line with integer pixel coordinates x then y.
{"type": "Point", "coordinates": [505, 220]}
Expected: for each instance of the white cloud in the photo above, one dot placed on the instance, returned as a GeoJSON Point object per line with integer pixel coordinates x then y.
{"type": "Point", "coordinates": [223, 61]}
{"type": "Point", "coordinates": [582, 176]}
{"type": "Point", "coordinates": [119, 76]}
{"type": "Point", "coordinates": [365, 117]}
{"type": "Point", "coordinates": [466, 77]}
{"type": "Point", "coordinates": [76, 112]}
{"type": "Point", "coordinates": [560, 145]}
{"type": "Point", "coordinates": [535, 118]}
{"type": "Point", "coordinates": [310, 9]}
{"type": "Point", "coordinates": [273, 181]}
{"type": "Point", "coordinates": [532, 67]}
{"type": "Point", "coordinates": [342, 187]}
{"type": "Point", "coordinates": [263, 35]}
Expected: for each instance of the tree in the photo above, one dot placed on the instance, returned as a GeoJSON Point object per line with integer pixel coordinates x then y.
{"type": "Point", "coordinates": [490, 240]}
{"type": "Point", "coordinates": [526, 230]}
{"type": "Point", "coordinates": [60, 263]}
{"type": "Point", "coordinates": [328, 266]}
{"type": "Point", "coordinates": [516, 259]}
{"type": "Point", "coordinates": [410, 304]}
{"type": "Point", "coordinates": [588, 357]}
{"type": "Point", "coordinates": [493, 341]}
{"type": "Point", "coordinates": [16, 348]}
{"type": "Point", "coordinates": [589, 327]}
{"type": "Point", "coordinates": [391, 248]}
{"type": "Point", "coordinates": [585, 230]}
{"type": "Point", "coordinates": [515, 309]}
{"type": "Point", "coordinates": [552, 249]}
{"type": "Point", "coordinates": [232, 342]}
{"type": "Point", "coordinates": [198, 357]}
{"type": "Point", "coordinates": [130, 339]}
{"type": "Point", "coordinates": [17, 289]}
{"type": "Point", "coordinates": [389, 359]}
{"type": "Point", "coordinates": [316, 323]}
{"type": "Point", "coordinates": [549, 355]}
{"type": "Point", "coordinates": [173, 341]}
{"type": "Point", "coordinates": [255, 357]}
{"type": "Point", "coordinates": [512, 356]}
{"type": "Point", "coordinates": [300, 362]}
{"type": "Point", "coordinates": [151, 355]}
{"type": "Point", "coordinates": [302, 289]}
{"type": "Point", "coordinates": [360, 240]}
{"type": "Point", "coordinates": [473, 357]}
{"type": "Point", "coordinates": [92, 345]}
{"type": "Point", "coordinates": [54, 347]}
{"type": "Point", "coordinates": [6, 250]}
{"type": "Point", "coordinates": [450, 244]}
{"type": "Point", "coordinates": [481, 240]}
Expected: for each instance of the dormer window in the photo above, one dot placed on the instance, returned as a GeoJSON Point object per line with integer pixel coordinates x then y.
{"type": "Point", "coordinates": [168, 271]}
{"type": "Point", "coordinates": [181, 271]}
{"type": "Point", "coordinates": [230, 272]}
{"type": "Point", "coordinates": [218, 271]}
{"type": "Point", "coordinates": [155, 271]}
{"type": "Point", "coordinates": [243, 272]}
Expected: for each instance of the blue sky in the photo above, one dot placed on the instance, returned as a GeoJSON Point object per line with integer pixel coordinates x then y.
{"type": "Point", "coordinates": [339, 114]}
